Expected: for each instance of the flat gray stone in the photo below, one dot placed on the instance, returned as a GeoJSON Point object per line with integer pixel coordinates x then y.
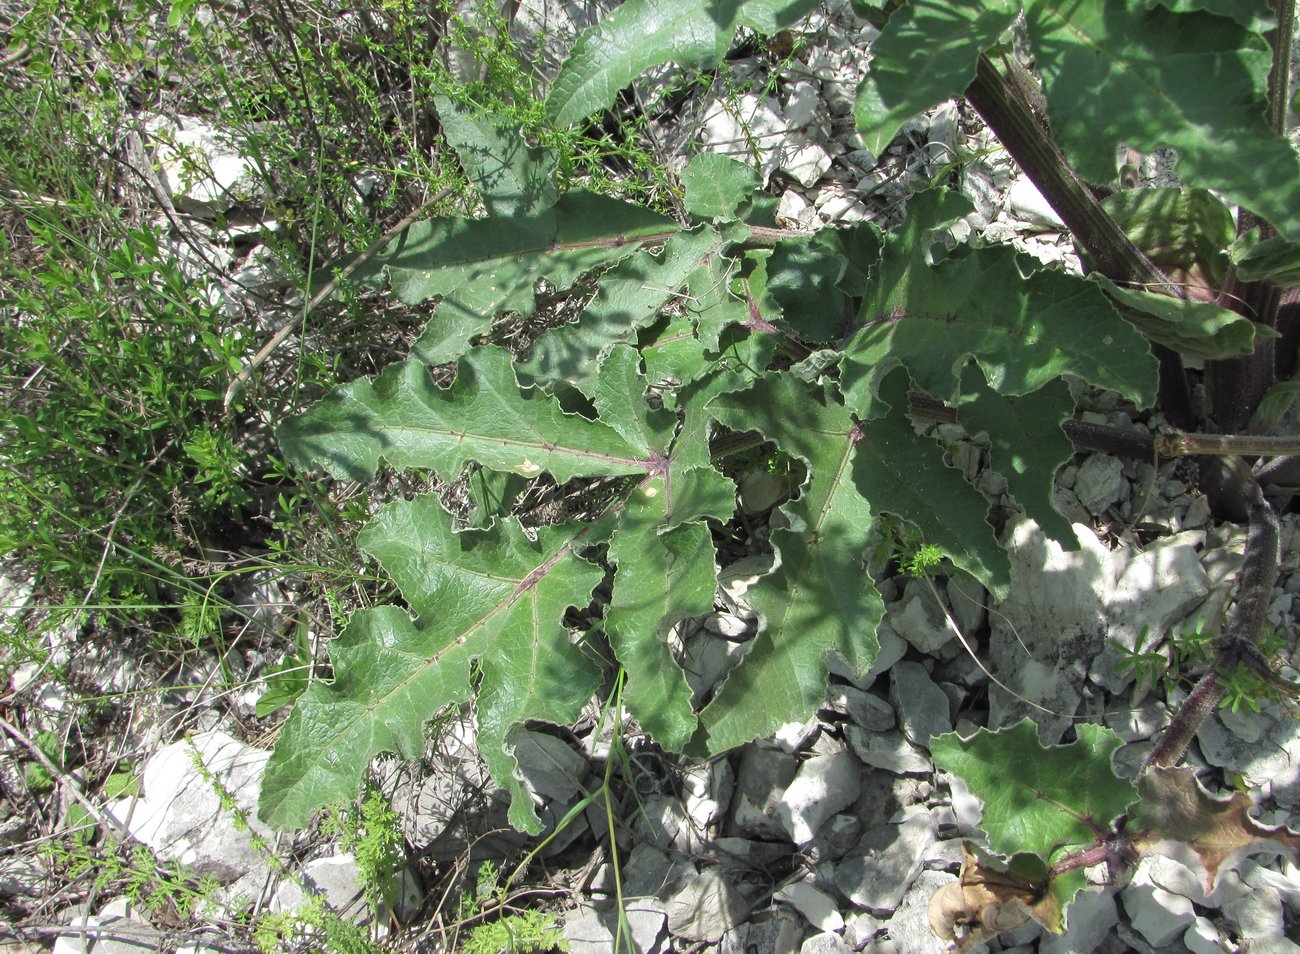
{"type": "Point", "coordinates": [920, 620]}
{"type": "Point", "coordinates": [1271, 762]}
{"type": "Point", "coordinates": [921, 705]}
{"type": "Point", "coordinates": [969, 602]}
{"type": "Point", "coordinates": [591, 931]}
{"type": "Point", "coordinates": [860, 928]}
{"type": "Point", "coordinates": [1274, 945]}
{"type": "Point", "coordinates": [834, 839]}
{"type": "Point", "coordinates": [889, 751]}
{"type": "Point", "coordinates": [23, 876]}
{"type": "Point", "coordinates": [117, 929]}
{"type": "Point", "coordinates": [823, 786]}
{"type": "Point", "coordinates": [706, 907]}
{"type": "Point", "coordinates": [552, 768]}
{"type": "Point", "coordinates": [1157, 915]}
{"type": "Point", "coordinates": [1257, 915]}
{"type": "Point", "coordinates": [1052, 631]}
{"type": "Point", "coordinates": [1089, 920]}
{"type": "Point", "coordinates": [877, 873]}
{"type": "Point", "coordinates": [777, 931]}
{"type": "Point", "coordinates": [708, 788]}
{"type": "Point", "coordinates": [1100, 483]}
{"type": "Point", "coordinates": [817, 907]}
{"type": "Point", "coordinates": [651, 873]}
{"type": "Point", "coordinates": [1202, 937]}
{"type": "Point", "coordinates": [825, 943]}
{"type": "Point", "coordinates": [864, 708]}
{"type": "Point", "coordinates": [761, 778]}
{"type": "Point", "coordinates": [663, 822]}
{"type": "Point", "coordinates": [909, 928]}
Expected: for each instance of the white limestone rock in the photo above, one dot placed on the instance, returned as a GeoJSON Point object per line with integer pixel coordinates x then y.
{"type": "Point", "coordinates": [707, 906]}
{"type": "Point", "coordinates": [116, 929]}
{"type": "Point", "coordinates": [1064, 607]}
{"type": "Point", "coordinates": [823, 786]}
{"type": "Point", "coordinates": [200, 166]}
{"type": "Point", "coordinates": [920, 620]}
{"type": "Point", "coordinates": [817, 907]}
{"type": "Point", "coordinates": [877, 873]}
{"type": "Point", "coordinates": [889, 751]}
{"type": "Point", "coordinates": [909, 928]}
{"type": "Point", "coordinates": [1090, 919]}
{"type": "Point", "coordinates": [179, 814]}
{"type": "Point", "coordinates": [591, 931]}
{"type": "Point", "coordinates": [825, 943]}
{"type": "Point", "coordinates": [1156, 914]}
{"type": "Point", "coordinates": [761, 779]}
{"type": "Point", "coordinates": [866, 709]}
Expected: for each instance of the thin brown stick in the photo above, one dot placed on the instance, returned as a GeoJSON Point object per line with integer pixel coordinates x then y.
{"type": "Point", "coordinates": [247, 371]}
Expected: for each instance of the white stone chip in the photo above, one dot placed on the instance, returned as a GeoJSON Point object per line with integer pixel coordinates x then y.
{"type": "Point", "coordinates": [824, 785]}
{"type": "Point", "coordinates": [817, 907]}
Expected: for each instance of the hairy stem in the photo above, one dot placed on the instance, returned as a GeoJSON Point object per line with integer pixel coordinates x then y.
{"type": "Point", "coordinates": [1255, 586]}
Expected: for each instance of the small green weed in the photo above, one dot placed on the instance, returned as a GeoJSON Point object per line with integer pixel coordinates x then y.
{"type": "Point", "coordinates": [527, 932]}
{"type": "Point", "coordinates": [1189, 649]}
{"type": "Point", "coordinates": [371, 831]}
{"type": "Point", "coordinates": [516, 932]}
{"type": "Point", "coordinates": [135, 873]}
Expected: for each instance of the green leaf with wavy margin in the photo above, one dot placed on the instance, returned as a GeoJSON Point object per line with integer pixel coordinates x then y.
{"type": "Point", "coordinates": [484, 417]}
{"type": "Point", "coordinates": [818, 596]}
{"type": "Point", "coordinates": [483, 267]}
{"type": "Point", "coordinates": [641, 34]}
{"type": "Point", "coordinates": [1273, 259]}
{"type": "Point", "coordinates": [1022, 332]}
{"type": "Point", "coordinates": [495, 597]}
{"type": "Point", "coordinates": [1193, 327]}
{"type": "Point", "coordinates": [903, 473]}
{"type": "Point", "coordinates": [1117, 74]}
{"type": "Point", "coordinates": [512, 176]}
{"type": "Point", "coordinates": [925, 54]}
{"type": "Point", "coordinates": [1045, 800]}
{"type": "Point", "coordinates": [690, 269]}
{"type": "Point", "coordinates": [717, 186]}
{"type": "Point", "coordinates": [513, 588]}
{"type": "Point", "coordinates": [1026, 445]}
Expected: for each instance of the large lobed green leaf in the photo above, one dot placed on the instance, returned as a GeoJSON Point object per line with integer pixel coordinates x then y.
{"type": "Point", "coordinates": [484, 417]}
{"type": "Point", "coordinates": [1022, 332]}
{"type": "Point", "coordinates": [903, 473]}
{"type": "Point", "coordinates": [1026, 445]}
{"type": "Point", "coordinates": [818, 596]}
{"type": "Point", "coordinates": [494, 596]}
{"type": "Point", "coordinates": [925, 54]}
{"type": "Point", "coordinates": [482, 267]}
{"type": "Point", "coordinates": [1118, 73]}
{"type": "Point", "coordinates": [1044, 800]}
{"type": "Point", "coordinates": [1114, 72]}
{"type": "Point", "coordinates": [497, 596]}
{"type": "Point", "coordinates": [632, 294]}
{"type": "Point", "coordinates": [642, 34]}
{"type": "Point", "coordinates": [512, 176]}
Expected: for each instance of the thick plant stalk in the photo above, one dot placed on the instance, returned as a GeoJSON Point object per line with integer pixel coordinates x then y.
{"type": "Point", "coordinates": [1236, 385]}
{"type": "Point", "coordinates": [1255, 586]}
{"type": "Point", "coordinates": [1003, 105]}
